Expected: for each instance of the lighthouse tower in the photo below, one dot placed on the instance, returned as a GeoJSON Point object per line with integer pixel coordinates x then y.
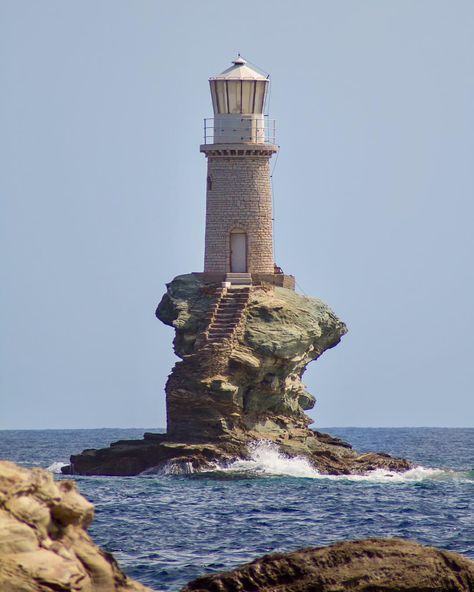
{"type": "Point", "coordinates": [239, 143]}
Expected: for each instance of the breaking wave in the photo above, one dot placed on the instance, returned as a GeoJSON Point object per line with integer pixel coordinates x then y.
{"type": "Point", "coordinates": [266, 459]}
{"type": "Point", "coordinates": [171, 468]}
{"type": "Point", "coordinates": [56, 467]}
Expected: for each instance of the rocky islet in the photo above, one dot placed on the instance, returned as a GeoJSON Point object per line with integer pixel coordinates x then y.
{"type": "Point", "coordinates": [243, 353]}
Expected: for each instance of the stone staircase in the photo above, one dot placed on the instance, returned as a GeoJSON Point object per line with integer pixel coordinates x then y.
{"type": "Point", "coordinates": [225, 317]}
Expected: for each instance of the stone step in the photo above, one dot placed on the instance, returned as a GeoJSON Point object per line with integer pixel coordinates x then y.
{"type": "Point", "coordinates": [233, 304]}
{"type": "Point", "coordinates": [238, 289]}
{"type": "Point", "coordinates": [239, 279]}
{"type": "Point", "coordinates": [232, 274]}
{"type": "Point", "coordinates": [237, 294]}
{"type": "Point", "coordinates": [226, 318]}
{"type": "Point", "coordinates": [221, 329]}
{"type": "Point", "coordinates": [229, 314]}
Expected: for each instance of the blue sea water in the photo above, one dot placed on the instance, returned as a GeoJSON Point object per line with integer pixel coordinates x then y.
{"type": "Point", "coordinates": [166, 530]}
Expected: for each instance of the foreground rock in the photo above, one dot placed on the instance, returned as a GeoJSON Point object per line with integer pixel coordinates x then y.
{"type": "Point", "coordinates": [372, 565]}
{"type": "Point", "coordinates": [243, 353]}
{"type": "Point", "coordinates": [44, 546]}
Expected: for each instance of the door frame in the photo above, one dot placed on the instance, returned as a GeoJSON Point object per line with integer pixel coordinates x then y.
{"type": "Point", "coordinates": [238, 230]}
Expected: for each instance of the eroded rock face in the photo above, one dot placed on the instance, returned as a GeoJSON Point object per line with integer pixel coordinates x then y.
{"type": "Point", "coordinates": [44, 546]}
{"type": "Point", "coordinates": [360, 566]}
{"type": "Point", "coordinates": [249, 386]}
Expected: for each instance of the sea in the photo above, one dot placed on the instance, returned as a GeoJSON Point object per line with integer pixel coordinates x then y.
{"type": "Point", "coordinates": [166, 529]}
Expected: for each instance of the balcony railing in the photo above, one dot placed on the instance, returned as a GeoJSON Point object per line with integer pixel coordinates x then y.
{"type": "Point", "coordinates": [240, 129]}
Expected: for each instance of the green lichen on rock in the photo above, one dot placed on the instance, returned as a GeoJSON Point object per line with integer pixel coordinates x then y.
{"type": "Point", "coordinates": [184, 307]}
{"type": "Point", "coordinates": [285, 324]}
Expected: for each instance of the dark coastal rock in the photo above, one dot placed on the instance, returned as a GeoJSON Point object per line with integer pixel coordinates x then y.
{"type": "Point", "coordinates": [372, 565]}
{"type": "Point", "coordinates": [44, 545]}
{"type": "Point", "coordinates": [239, 380]}
{"type": "Point", "coordinates": [153, 453]}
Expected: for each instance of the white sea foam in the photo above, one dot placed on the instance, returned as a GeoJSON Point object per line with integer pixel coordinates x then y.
{"type": "Point", "coordinates": [56, 467]}
{"type": "Point", "coordinates": [266, 459]}
{"type": "Point", "coordinates": [418, 473]}
{"type": "Point", "coordinates": [172, 467]}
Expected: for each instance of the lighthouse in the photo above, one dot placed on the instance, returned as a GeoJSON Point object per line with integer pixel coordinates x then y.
{"type": "Point", "coordinates": [239, 142]}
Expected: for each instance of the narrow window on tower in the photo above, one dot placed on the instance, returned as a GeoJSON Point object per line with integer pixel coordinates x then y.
{"type": "Point", "coordinates": [209, 183]}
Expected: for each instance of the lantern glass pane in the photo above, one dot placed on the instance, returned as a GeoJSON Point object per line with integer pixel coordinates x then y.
{"type": "Point", "coordinates": [234, 88]}
{"type": "Point", "coordinates": [261, 87]}
{"type": "Point", "coordinates": [248, 91]}
{"type": "Point", "coordinates": [214, 96]}
{"type": "Point", "coordinates": [221, 96]}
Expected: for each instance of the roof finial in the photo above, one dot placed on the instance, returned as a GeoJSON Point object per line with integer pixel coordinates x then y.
{"type": "Point", "coordinates": [239, 61]}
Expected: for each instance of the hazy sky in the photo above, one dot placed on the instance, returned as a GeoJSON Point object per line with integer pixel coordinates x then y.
{"type": "Point", "coordinates": [102, 191]}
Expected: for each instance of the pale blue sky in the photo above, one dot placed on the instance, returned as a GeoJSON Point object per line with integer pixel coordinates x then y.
{"type": "Point", "coordinates": [102, 192]}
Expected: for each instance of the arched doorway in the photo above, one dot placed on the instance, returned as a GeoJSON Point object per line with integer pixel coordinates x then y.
{"type": "Point", "coordinates": [238, 251]}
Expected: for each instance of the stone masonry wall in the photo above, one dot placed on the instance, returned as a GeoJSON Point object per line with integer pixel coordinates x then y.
{"type": "Point", "coordinates": [239, 196]}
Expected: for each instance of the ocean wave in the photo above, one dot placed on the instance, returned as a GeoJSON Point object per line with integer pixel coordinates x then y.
{"type": "Point", "coordinates": [56, 467]}
{"type": "Point", "coordinates": [266, 459]}
{"type": "Point", "coordinates": [170, 468]}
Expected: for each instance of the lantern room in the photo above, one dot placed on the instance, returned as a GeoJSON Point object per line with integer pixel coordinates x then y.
{"type": "Point", "coordinates": [238, 90]}
{"type": "Point", "coordinates": [238, 99]}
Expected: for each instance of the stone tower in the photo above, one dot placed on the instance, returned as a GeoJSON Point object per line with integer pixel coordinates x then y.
{"type": "Point", "coordinates": [238, 144]}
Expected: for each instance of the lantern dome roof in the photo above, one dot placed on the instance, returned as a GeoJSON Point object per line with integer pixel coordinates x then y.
{"type": "Point", "coordinates": [239, 71]}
